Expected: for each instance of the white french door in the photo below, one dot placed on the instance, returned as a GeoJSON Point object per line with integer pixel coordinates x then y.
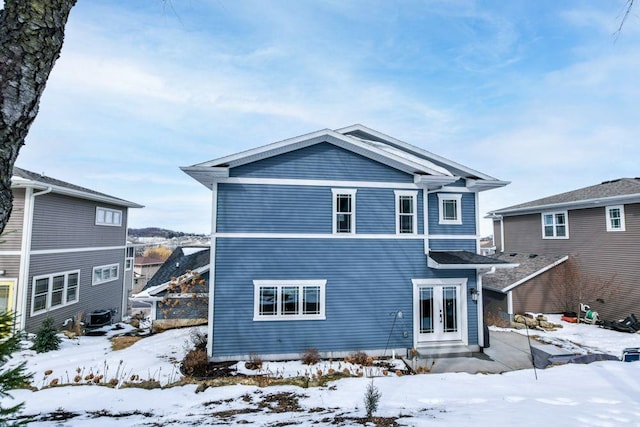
{"type": "Point", "coordinates": [438, 310]}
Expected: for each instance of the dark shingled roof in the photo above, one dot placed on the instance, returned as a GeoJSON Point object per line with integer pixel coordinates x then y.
{"type": "Point", "coordinates": [615, 188]}
{"type": "Point", "coordinates": [48, 181]}
{"type": "Point", "coordinates": [530, 264]}
{"type": "Point", "coordinates": [463, 258]}
{"type": "Point", "coordinates": [178, 263]}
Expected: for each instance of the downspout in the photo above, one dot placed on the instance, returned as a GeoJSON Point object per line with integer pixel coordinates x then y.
{"type": "Point", "coordinates": [25, 254]}
{"type": "Point", "coordinates": [212, 265]}
{"type": "Point", "coordinates": [480, 307]}
{"type": "Point", "coordinates": [502, 234]}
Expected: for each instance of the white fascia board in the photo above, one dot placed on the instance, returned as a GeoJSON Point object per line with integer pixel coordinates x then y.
{"type": "Point", "coordinates": [25, 183]}
{"type": "Point", "coordinates": [263, 151]}
{"type": "Point", "coordinates": [537, 273]}
{"type": "Point", "coordinates": [581, 204]}
{"type": "Point", "coordinates": [198, 171]}
{"type": "Point", "coordinates": [431, 263]}
{"type": "Point", "coordinates": [411, 148]}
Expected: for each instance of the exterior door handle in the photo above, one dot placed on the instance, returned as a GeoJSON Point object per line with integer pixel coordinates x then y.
{"type": "Point", "coordinates": [440, 316]}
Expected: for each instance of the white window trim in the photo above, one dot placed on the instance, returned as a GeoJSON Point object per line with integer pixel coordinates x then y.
{"type": "Point", "coordinates": [128, 264]}
{"type": "Point", "coordinates": [334, 216]}
{"type": "Point", "coordinates": [566, 224]}
{"type": "Point", "coordinates": [414, 195]}
{"type": "Point", "coordinates": [50, 277]}
{"type": "Point", "coordinates": [105, 210]}
{"type": "Point", "coordinates": [94, 282]}
{"type": "Point", "coordinates": [458, 198]}
{"type": "Point", "coordinates": [608, 215]}
{"type": "Point", "coordinates": [257, 284]}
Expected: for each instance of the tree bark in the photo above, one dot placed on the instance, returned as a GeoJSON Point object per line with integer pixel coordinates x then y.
{"type": "Point", "coordinates": [31, 36]}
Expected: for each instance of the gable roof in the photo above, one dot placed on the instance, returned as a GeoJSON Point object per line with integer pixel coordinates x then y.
{"type": "Point", "coordinates": [529, 266]}
{"type": "Point", "coordinates": [622, 190]}
{"type": "Point", "coordinates": [23, 178]}
{"type": "Point", "coordinates": [182, 259]}
{"type": "Point", "coordinates": [361, 140]}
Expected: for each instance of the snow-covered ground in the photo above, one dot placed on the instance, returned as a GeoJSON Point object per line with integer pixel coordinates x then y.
{"type": "Point", "coordinates": [599, 394]}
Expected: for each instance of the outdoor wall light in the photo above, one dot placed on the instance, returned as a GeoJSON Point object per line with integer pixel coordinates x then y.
{"type": "Point", "coordinates": [474, 294]}
{"type": "Point", "coordinates": [2, 272]}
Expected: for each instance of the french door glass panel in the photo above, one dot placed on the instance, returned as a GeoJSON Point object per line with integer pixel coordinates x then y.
{"type": "Point", "coordinates": [439, 313]}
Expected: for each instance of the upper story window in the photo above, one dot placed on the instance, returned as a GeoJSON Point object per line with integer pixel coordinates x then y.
{"type": "Point", "coordinates": [105, 273]}
{"type": "Point", "coordinates": [54, 290]}
{"type": "Point", "coordinates": [129, 255]}
{"type": "Point", "coordinates": [344, 210]}
{"type": "Point", "coordinates": [450, 208]}
{"type": "Point", "coordinates": [615, 218]}
{"type": "Point", "coordinates": [555, 225]}
{"type": "Point", "coordinates": [106, 216]}
{"type": "Point", "coordinates": [406, 212]}
{"type": "Point", "coordinates": [289, 299]}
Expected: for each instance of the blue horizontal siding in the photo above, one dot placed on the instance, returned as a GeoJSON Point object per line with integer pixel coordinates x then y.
{"type": "Point", "coordinates": [468, 225]}
{"type": "Point", "coordinates": [367, 280]}
{"type": "Point", "coordinates": [302, 209]}
{"type": "Point", "coordinates": [453, 245]}
{"type": "Point", "coordinates": [321, 161]}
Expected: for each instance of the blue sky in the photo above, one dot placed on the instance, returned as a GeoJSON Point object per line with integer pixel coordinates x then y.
{"type": "Point", "coordinates": [539, 93]}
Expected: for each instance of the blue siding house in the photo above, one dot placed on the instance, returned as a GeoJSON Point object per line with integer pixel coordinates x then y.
{"type": "Point", "coordinates": [344, 240]}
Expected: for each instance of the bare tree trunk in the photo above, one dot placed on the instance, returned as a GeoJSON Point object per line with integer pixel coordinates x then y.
{"type": "Point", "coordinates": [31, 36]}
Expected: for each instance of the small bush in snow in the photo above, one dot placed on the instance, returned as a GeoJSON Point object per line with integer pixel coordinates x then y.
{"type": "Point", "coordinates": [46, 338]}
{"type": "Point", "coordinates": [198, 338]}
{"type": "Point", "coordinates": [196, 363]}
{"type": "Point", "coordinates": [371, 399]}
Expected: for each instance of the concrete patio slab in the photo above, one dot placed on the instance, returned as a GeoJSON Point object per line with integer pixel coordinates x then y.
{"type": "Point", "coordinates": [508, 351]}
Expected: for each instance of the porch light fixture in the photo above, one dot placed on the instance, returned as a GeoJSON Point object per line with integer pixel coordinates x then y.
{"type": "Point", "coordinates": [474, 294]}
{"type": "Point", "coordinates": [2, 272]}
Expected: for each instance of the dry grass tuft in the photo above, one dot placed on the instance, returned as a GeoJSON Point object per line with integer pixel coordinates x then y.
{"type": "Point", "coordinates": [119, 343]}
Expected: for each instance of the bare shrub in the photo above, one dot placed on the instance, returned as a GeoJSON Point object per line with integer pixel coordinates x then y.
{"type": "Point", "coordinates": [254, 363]}
{"type": "Point", "coordinates": [572, 285]}
{"type": "Point", "coordinates": [195, 363]}
{"type": "Point", "coordinates": [311, 356]}
{"type": "Point", "coordinates": [360, 358]}
{"type": "Point", "coordinates": [198, 338]}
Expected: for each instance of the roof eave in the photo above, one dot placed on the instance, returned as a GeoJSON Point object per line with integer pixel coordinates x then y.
{"type": "Point", "coordinates": [431, 263]}
{"type": "Point", "coordinates": [206, 175]}
{"type": "Point", "coordinates": [25, 183]}
{"type": "Point", "coordinates": [580, 204]}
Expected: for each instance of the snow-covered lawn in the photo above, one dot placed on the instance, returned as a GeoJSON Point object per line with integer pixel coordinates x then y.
{"type": "Point", "coordinates": [599, 394]}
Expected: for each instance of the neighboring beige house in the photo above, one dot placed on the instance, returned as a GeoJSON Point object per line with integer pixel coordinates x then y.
{"type": "Point", "coordinates": [144, 268]}
{"type": "Point", "coordinates": [598, 227]}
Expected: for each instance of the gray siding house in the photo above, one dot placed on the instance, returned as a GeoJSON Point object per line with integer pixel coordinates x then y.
{"type": "Point", "coordinates": [344, 240]}
{"type": "Point", "coordinates": [63, 251]}
{"type": "Point", "coordinates": [598, 227]}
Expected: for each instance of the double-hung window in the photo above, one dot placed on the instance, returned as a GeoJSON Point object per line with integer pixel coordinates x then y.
{"type": "Point", "coordinates": [344, 210]}
{"type": "Point", "coordinates": [450, 208]}
{"type": "Point", "coordinates": [105, 273]}
{"type": "Point", "coordinates": [615, 218]}
{"type": "Point", "coordinates": [406, 212]}
{"type": "Point", "coordinates": [54, 290]}
{"type": "Point", "coordinates": [106, 216]}
{"type": "Point", "coordinates": [289, 299]}
{"type": "Point", "coordinates": [555, 225]}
